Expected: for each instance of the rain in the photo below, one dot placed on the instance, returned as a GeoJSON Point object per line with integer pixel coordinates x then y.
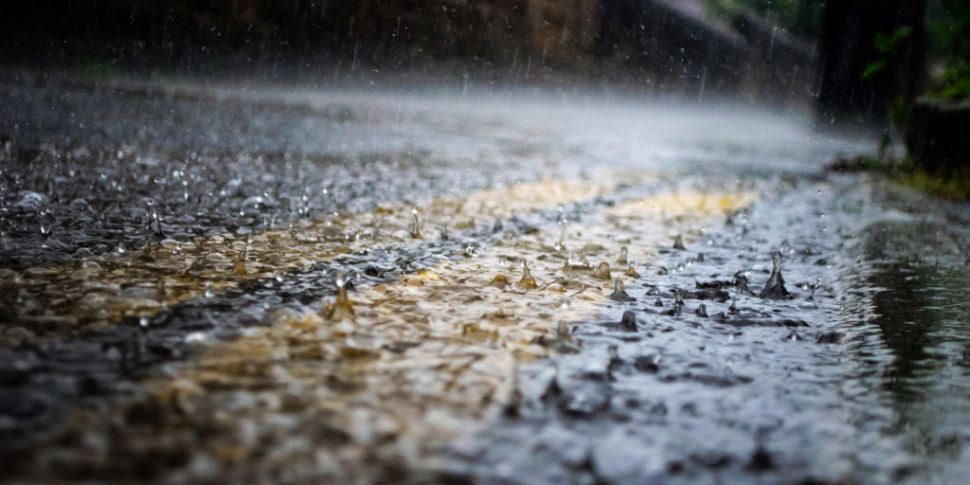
{"type": "Point", "coordinates": [503, 241]}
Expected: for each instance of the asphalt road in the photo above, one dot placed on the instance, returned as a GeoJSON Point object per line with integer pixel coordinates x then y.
{"type": "Point", "coordinates": [541, 287]}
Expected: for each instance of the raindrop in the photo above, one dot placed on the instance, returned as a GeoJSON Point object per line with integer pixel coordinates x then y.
{"type": "Point", "coordinates": [775, 287]}
{"type": "Point", "coordinates": [342, 307]}
{"type": "Point", "coordinates": [156, 226]}
{"type": "Point", "coordinates": [562, 331]}
{"type": "Point", "coordinates": [527, 282]}
{"type": "Point", "coordinates": [580, 263]}
{"type": "Point", "coordinates": [701, 311]}
{"type": "Point", "coordinates": [415, 225]}
{"type": "Point", "coordinates": [603, 271]}
{"type": "Point", "coordinates": [741, 282]}
{"type": "Point", "coordinates": [628, 321]}
{"type": "Point", "coordinates": [679, 243]}
{"type": "Point", "coordinates": [240, 267]}
{"type": "Point", "coordinates": [500, 281]}
{"type": "Point", "coordinates": [619, 293]}
{"type": "Point", "coordinates": [631, 271]}
{"type": "Point", "coordinates": [560, 246]}
{"type": "Point", "coordinates": [622, 260]}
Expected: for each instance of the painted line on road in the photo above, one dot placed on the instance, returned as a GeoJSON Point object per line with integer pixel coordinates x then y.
{"type": "Point", "coordinates": [431, 356]}
{"type": "Point", "coordinates": [92, 294]}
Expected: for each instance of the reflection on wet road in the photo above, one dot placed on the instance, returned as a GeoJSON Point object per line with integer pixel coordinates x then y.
{"type": "Point", "coordinates": [906, 322]}
{"type": "Point", "coordinates": [544, 289]}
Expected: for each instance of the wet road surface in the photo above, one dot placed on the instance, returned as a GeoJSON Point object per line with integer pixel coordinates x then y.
{"type": "Point", "coordinates": [566, 287]}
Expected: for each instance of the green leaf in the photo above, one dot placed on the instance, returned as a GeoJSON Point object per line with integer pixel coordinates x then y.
{"type": "Point", "coordinates": [874, 67]}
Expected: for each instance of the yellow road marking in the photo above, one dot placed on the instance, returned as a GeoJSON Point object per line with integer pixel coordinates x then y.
{"type": "Point", "coordinates": [427, 358]}
{"type": "Point", "coordinates": [102, 290]}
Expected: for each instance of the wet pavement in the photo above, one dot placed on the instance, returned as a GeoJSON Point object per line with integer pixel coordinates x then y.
{"type": "Point", "coordinates": [543, 287]}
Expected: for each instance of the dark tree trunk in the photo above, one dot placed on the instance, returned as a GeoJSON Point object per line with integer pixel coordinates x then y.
{"type": "Point", "coordinates": [847, 97]}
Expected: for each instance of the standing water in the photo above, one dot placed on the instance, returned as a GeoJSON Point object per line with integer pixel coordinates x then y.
{"type": "Point", "coordinates": [306, 285]}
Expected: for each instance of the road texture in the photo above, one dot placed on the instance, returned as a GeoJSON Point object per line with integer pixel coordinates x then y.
{"type": "Point", "coordinates": [212, 282]}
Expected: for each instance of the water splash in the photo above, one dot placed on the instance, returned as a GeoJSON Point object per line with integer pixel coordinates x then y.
{"type": "Point", "coordinates": [679, 243]}
{"type": "Point", "coordinates": [701, 311]}
{"type": "Point", "coordinates": [240, 266]}
{"type": "Point", "coordinates": [619, 293]}
{"type": "Point", "coordinates": [775, 287]}
{"type": "Point", "coordinates": [560, 246]}
{"type": "Point", "coordinates": [603, 271]}
{"type": "Point", "coordinates": [622, 260]}
{"type": "Point", "coordinates": [631, 271]}
{"type": "Point", "coordinates": [629, 321]}
{"type": "Point", "coordinates": [574, 263]}
{"type": "Point", "coordinates": [342, 308]}
{"type": "Point", "coordinates": [500, 282]}
{"type": "Point", "coordinates": [679, 297]}
{"type": "Point", "coordinates": [527, 282]}
{"type": "Point", "coordinates": [415, 225]}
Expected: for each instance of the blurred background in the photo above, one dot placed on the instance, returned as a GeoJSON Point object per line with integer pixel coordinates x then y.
{"type": "Point", "coordinates": [853, 59]}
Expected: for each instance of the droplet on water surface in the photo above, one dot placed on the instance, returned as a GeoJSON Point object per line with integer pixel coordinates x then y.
{"type": "Point", "coordinates": [619, 293]}
{"type": "Point", "coordinates": [603, 271]}
{"type": "Point", "coordinates": [679, 243]}
{"type": "Point", "coordinates": [560, 246]}
{"type": "Point", "coordinates": [415, 225]}
{"type": "Point", "coordinates": [623, 256]}
{"type": "Point", "coordinates": [701, 311]}
{"type": "Point", "coordinates": [527, 282]}
{"type": "Point", "coordinates": [631, 271]}
{"type": "Point", "coordinates": [628, 321]}
{"type": "Point", "coordinates": [342, 307]}
{"type": "Point", "coordinates": [574, 263]}
{"type": "Point", "coordinates": [500, 281]}
{"type": "Point", "coordinates": [775, 287]}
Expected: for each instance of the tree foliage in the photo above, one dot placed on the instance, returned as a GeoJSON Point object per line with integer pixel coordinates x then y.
{"type": "Point", "coordinates": [798, 16]}
{"type": "Point", "coordinates": [948, 30]}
